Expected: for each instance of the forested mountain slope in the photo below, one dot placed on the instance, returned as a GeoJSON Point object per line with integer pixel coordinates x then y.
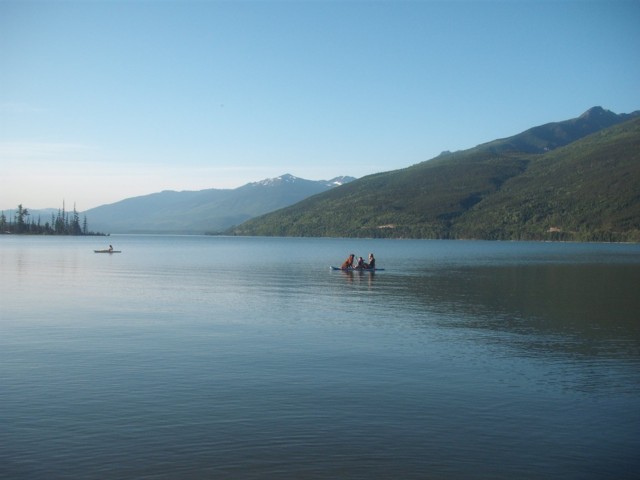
{"type": "Point", "coordinates": [558, 181]}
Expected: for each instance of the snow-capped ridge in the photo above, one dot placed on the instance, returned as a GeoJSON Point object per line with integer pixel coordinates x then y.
{"type": "Point", "coordinates": [337, 181]}
{"type": "Point", "coordinates": [287, 178]}
{"type": "Point", "coordinates": [268, 182]}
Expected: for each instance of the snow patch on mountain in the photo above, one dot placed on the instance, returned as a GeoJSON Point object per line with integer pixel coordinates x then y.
{"type": "Point", "coordinates": [288, 179]}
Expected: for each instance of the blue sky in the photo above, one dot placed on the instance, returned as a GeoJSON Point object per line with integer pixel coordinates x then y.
{"type": "Point", "coordinates": [104, 100]}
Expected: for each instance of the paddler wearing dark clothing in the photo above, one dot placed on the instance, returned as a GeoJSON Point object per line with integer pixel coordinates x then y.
{"type": "Point", "coordinates": [372, 262]}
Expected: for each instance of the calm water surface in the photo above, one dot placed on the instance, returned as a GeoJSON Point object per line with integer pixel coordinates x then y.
{"type": "Point", "coordinates": [213, 357]}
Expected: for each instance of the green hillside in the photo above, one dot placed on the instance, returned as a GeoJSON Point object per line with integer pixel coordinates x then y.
{"type": "Point", "coordinates": [588, 189]}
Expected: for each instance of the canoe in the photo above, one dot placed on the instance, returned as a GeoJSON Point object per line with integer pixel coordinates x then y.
{"type": "Point", "coordinates": [108, 251]}
{"type": "Point", "coordinates": [357, 269]}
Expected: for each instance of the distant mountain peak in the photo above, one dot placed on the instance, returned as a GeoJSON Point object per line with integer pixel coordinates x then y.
{"type": "Point", "coordinates": [288, 179]}
{"type": "Point", "coordinates": [593, 111]}
{"type": "Point", "coordinates": [337, 181]}
{"type": "Point", "coordinates": [209, 210]}
{"type": "Point", "coordinates": [270, 182]}
{"type": "Point", "coordinates": [597, 112]}
{"type": "Point", "coordinates": [550, 136]}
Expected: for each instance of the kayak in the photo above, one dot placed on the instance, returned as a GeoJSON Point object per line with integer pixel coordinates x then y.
{"type": "Point", "coordinates": [357, 269]}
{"type": "Point", "coordinates": [108, 251]}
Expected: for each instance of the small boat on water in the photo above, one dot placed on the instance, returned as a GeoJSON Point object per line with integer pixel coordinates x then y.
{"type": "Point", "coordinates": [108, 250]}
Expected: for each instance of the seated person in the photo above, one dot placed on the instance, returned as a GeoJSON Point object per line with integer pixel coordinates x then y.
{"type": "Point", "coordinates": [372, 262]}
{"type": "Point", "coordinates": [348, 263]}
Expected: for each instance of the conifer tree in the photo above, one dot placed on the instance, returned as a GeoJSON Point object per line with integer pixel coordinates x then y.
{"type": "Point", "coordinates": [21, 225]}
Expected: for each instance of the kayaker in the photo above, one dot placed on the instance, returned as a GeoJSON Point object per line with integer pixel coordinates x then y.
{"type": "Point", "coordinates": [348, 263]}
{"type": "Point", "coordinates": [372, 262]}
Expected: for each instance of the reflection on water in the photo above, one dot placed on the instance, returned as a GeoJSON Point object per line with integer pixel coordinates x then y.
{"type": "Point", "coordinates": [593, 306]}
{"type": "Point", "coordinates": [582, 316]}
{"type": "Point", "coordinates": [196, 357]}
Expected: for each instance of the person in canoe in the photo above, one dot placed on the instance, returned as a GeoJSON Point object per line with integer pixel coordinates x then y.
{"type": "Point", "coordinates": [372, 262]}
{"type": "Point", "coordinates": [110, 248]}
{"type": "Point", "coordinates": [348, 263]}
{"type": "Point", "coordinates": [360, 265]}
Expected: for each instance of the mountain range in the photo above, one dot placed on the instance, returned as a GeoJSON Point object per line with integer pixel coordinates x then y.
{"type": "Point", "coordinates": [204, 211]}
{"type": "Point", "coordinates": [577, 179]}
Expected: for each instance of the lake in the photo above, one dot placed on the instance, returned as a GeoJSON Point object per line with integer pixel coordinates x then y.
{"type": "Point", "coordinates": [219, 357]}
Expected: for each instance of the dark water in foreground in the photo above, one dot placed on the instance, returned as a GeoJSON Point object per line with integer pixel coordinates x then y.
{"type": "Point", "coordinates": [207, 357]}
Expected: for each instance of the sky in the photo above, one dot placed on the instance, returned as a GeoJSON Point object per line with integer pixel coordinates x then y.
{"type": "Point", "coordinates": [106, 100]}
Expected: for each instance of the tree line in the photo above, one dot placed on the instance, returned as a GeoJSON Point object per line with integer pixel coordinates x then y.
{"type": "Point", "coordinates": [64, 223]}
